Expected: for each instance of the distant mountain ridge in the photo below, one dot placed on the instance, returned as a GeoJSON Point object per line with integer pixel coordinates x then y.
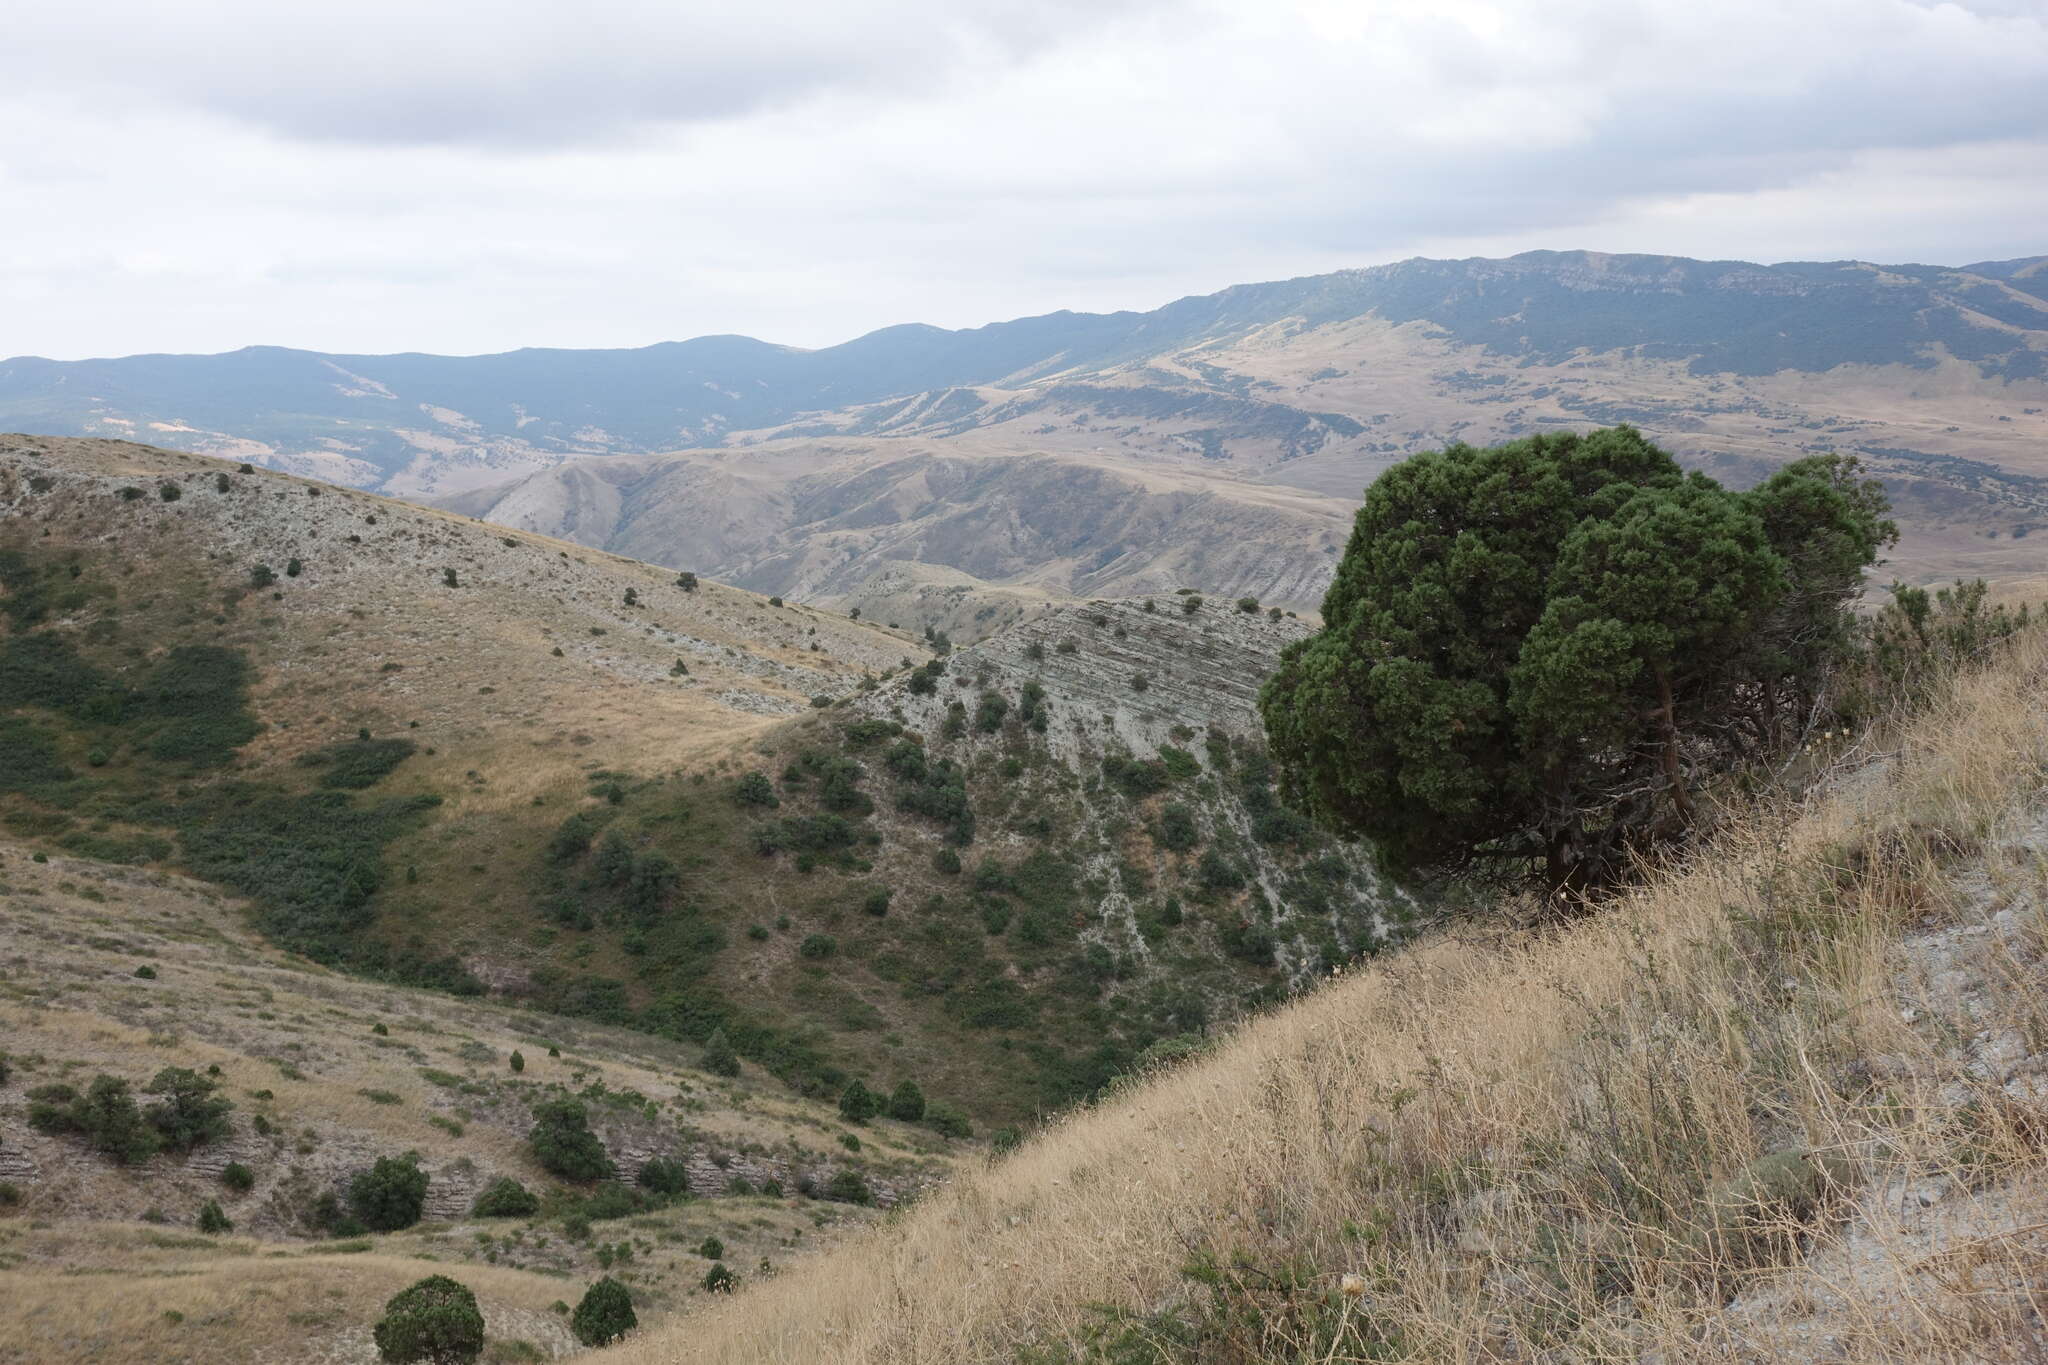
{"type": "Point", "coordinates": [1230, 433]}
{"type": "Point", "coordinates": [379, 413]}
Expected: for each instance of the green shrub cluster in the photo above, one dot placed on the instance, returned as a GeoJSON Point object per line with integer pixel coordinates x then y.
{"type": "Point", "coordinates": [435, 1320]}
{"type": "Point", "coordinates": [390, 1195]}
{"type": "Point", "coordinates": [563, 1144]}
{"type": "Point", "coordinates": [605, 1313]}
{"type": "Point", "coordinates": [358, 763]}
{"type": "Point", "coordinates": [506, 1198]}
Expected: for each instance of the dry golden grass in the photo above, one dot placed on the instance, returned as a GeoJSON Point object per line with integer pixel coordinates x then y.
{"type": "Point", "coordinates": [1520, 1148]}
{"type": "Point", "coordinates": [238, 1301]}
{"type": "Point", "coordinates": [83, 1278]}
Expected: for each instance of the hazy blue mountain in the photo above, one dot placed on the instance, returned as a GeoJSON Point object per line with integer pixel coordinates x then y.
{"type": "Point", "coordinates": [1540, 307]}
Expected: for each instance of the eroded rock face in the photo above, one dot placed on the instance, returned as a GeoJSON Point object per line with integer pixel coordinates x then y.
{"type": "Point", "coordinates": [1126, 682]}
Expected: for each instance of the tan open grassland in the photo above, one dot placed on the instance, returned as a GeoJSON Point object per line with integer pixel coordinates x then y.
{"type": "Point", "coordinates": [1535, 1148]}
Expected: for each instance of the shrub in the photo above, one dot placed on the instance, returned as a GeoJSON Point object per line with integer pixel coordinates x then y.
{"type": "Point", "coordinates": [5, 1070]}
{"type": "Point", "coordinates": [946, 860]}
{"type": "Point", "coordinates": [774, 601]}
{"type": "Point", "coordinates": [506, 1198]}
{"type": "Point", "coordinates": [106, 1115]}
{"type": "Point", "coordinates": [169, 492]}
{"type": "Point", "coordinates": [390, 1195]}
{"type": "Point", "coordinates": [436, 1320]}
{"type": "Point", "coordinates": [1248, 605]}
{"type": "Point", "coordinates": [604, 1315]}
{"type": "Point", "coordinates": [719, 1057]}
{"type": "Point", "coordinates": [517, 1061]}
{"type": "Point", "coordinates": [10, 1195]}
{"type": "Point", "coordinates": [858, 1104]}
{"type": "Point", "coordinates": [1190, 604]}
{"type": "Point", "coordinates": [848, 1187]}
{"type": "Point", "coordinates": [989, 710]}
{"type": "Point", "coordinates": [353, 765]}
{"type": "Point", "coordinates": [1177, 829]}
{"type": "Point", "coordinates": [1218, 873]}
{"type": "Point", "coordinates": [818, 946]}
{"type": "Point", "coordinates": [221, 483]}
{"type": "Point", "coordinates": [1006, 1138]}
{"type": "Point", "coordinates": [907, 1102]}
{"type": "Point", "coordinates": [564, 1145]}
{"type": "Point", "coordinates": [876, 902]}
{"type": "Point", "coordinates": [262, 576]}
{"type": "Point", "coordinates": [189, 1113]}
{"type": "Point", "coordinates": [212, 1221]}
{"type": "Point", "coordinates": [448, 578]}
{"type": "Point", "coordinates": [754, 789]}
{"type": "Point", "coordinates": [146, 972]}
{"type": "Point", "coordinates": [665, 1175]}
{"type": "Point", "coordinates": [948, 1120]}
{"type": "Point", "coordinates": [711, 1249]}
{"type": "Point", "coordinates": [687, 581]}
{"type": "Point", "coordinates": [1140, 682]}
{"type": "Point", "coordinates": [719, 1280]}
{"type": "Point", "coordinates": [632, 598]}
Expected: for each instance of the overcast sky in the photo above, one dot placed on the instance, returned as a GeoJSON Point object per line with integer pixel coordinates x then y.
{"type": "Point", "coordinates": [198, 175]}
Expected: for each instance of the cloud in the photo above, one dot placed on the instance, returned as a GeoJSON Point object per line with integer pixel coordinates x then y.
{"type": "Point", "coordinates": [501, 178]}
{"type": "Point", "coordinates": [521, 72]}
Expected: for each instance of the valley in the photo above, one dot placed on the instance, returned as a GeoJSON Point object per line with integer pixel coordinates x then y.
{"type": "Point", "coordinates": [354, 800]}
{"type": "Point", "coordinates": [1220, 442]}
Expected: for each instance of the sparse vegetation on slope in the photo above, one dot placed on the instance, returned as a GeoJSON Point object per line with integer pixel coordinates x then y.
{"type": "Point", "coordinates": [1758, 1104]}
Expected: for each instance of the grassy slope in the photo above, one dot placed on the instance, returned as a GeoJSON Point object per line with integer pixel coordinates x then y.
{"type": "Point", "coordinates": [1060, 978]}
{"type": "Point", "coordinates": [1522, 1147]}
{"type": "Point", "coordinates": [82, 1276]}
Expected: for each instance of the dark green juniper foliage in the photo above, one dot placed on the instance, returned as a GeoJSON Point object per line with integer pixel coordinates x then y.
{"type": "Point", "coordinates": [189, 1112]}
{"type": "Point", "coordinates": [106, 1115]}
{"type": "Point", "coordinates": [858, 1104]}
{"type": "Point", "coordinates": [563, 1143]}
{"type": "Point", "coordinates": [719, 1057]}
{"type": "Point", "coordinates": [390, 1195]}
{"type": "Point", "coordinates": [506, 1198]}
{"type": "Point", "coordinates": [436, 1321]}
{"type": "Point", "coordinates": [604, 1315]}
{"type": "Point", "coordinates": [1534, 654]}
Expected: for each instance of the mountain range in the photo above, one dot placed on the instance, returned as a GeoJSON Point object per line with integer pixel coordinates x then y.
{"type": "Point", "coordinates": [1218, 442]}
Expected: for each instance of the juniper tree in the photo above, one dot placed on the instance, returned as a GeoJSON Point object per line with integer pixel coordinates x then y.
{"type": "Point", "coordinates": [1533, 654]}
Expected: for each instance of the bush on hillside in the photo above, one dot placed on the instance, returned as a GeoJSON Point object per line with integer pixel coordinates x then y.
{"type": "Point", "coordinates": [189, 1112]}
{"type": "Point", "coordinates": [665, 1175]}
{"type": "Point", "coordinates": [604, 1315]}
{"type": "Point", "coordinates": [948, 1120]}
{"type": "Point", "coordinates": [106, 1116]}
{"type": "Point", "coordinates": [436, 1320]}
{"type": "Point", "coordinates": [858, 1104]}
{"type": "Point", "coordinates": [563, 1143]}
{"type": "Point", "coordinates": [848, 1187]}
{"type": "Point", "coordinates": [906, 1102]}
{"type": "Point", "coordinates": [390, 1195]}
{"type": "Point", "coordinates": [506, 1198]}
{"type": "Point", "coordinates": [1535, 655]}
{"type": "Point", "coordinates": [212, 1221]}
{"type": "Point", "coordinates": [719, 1057]}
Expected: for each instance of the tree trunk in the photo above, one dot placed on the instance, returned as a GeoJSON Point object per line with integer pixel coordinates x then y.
{"type": "Point", "coordinates": [1672, 774]}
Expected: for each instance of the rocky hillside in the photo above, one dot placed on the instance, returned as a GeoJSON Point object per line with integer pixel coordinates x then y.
{"type": "Point", "coordinates": [823, 523]}
{"type": "Point", "coordinates": [107, 970]}
{"type": "Point", "coordinates": [1783, 1103]}
{"type": "Point", "coordinates": [450, 755]}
